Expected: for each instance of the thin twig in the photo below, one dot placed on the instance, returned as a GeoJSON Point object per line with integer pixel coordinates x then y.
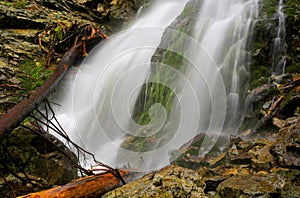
{"type": "Point", "coordinates": [60, 131]}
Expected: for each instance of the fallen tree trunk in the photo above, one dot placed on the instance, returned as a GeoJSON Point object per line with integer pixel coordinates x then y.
{"type": "Point", "coordinates": [20, 111]}
{"type": "Point", "coordinates": [91, 186]}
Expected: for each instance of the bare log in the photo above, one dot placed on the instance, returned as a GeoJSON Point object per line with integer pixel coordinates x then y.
{"type": "Point", "coordinates": [20, 111]}
{"type": "Point", "coordinates": [91, 186]}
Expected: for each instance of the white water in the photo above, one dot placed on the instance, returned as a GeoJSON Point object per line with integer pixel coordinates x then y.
{"type": "Point", "coordinates": [223, 29]}
{"type": "Point", "coordinates": [96, 106]}
{"type": "Point", "coordinates": [279, 51]}
{"type": "Point", "coordinates": [218, 56]}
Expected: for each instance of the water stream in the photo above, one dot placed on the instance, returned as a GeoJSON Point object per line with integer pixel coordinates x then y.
{"type": "Point", "coordinates": [97, 101]}
{"type": "Point", "coordinates": [279, 49]}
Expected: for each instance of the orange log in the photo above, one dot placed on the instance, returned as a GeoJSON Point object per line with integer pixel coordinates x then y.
{"type": "Point", "coordinates": [90, 186]}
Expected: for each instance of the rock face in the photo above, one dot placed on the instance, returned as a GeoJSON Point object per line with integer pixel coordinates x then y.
{"type": "Point", "coordinates": [172, 181]}
{"type": "Point", "coordinates": [260, 69]}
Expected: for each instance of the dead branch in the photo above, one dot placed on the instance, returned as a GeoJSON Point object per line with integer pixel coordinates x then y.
{"type": "Point", "coordinates": [53, 124]}
{"type": "Point", "coordinates": [293, 83]}
{"type": "Point", "coordinates": [19, 112]}
{"type": "Point", "coordinates": [271, 112]}
{"type": "Point", "coordinates": [40, 42]}
{"type": "Point", "coordinates": [91, 186]}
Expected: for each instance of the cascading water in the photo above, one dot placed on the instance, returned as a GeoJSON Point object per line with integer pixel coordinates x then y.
{"type": "Point", "coordinates": [279, 51]}
{"type": "Point", "coordinates": [223, 29]}
{"type": "Point", "coordinates": [97, 107]}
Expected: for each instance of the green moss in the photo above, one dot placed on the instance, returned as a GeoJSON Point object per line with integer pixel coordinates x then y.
{"type": "Point", "coordinates": [258, 76]}
{"type": "Point", "coordinates": [158, 92]}
{"type": "Point", "coordinates": [142, 145]}
{"type": "Point", "coordinates": [35, 74]}
{"type": "Point", "coordinates": [292, 8]}
{"type": "Point", "coordinates": [186, 11]}
{"type": "Point", "coordinates": [59, 32]}
{"type": "Point", "coordinates": [270, 6]}
{"type": "Point", "coordinates": [15, 3]}
{"type": "Point", "coordinates": [293, 68]}
{"type": "Point", "coordinates": [288, 97]}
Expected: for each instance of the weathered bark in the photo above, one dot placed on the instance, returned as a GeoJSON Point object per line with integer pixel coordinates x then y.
{"type": "Point", "coordinates": [91, 186]}
{"type": "Point", "coordinates": [20, 111]}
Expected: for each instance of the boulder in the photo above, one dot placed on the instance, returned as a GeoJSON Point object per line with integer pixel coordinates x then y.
{"type": "Point", "coordinates": [172, 181]}
{"type": "Point", "coordinates": [251, 186]}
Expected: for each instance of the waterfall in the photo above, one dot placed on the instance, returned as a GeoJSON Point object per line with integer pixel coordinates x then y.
{"type": "Point", "coordinates": [279, 51]}
{"type": "Point", "coordinates": [98, 100]}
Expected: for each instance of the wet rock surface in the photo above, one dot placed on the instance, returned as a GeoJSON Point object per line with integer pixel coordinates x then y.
{"type": "Point", "coordinates": [287, 146]}
{"type": "Point", "coordinates": [173, 37]}
{"type": "Point", "coordinates": [251, 185]}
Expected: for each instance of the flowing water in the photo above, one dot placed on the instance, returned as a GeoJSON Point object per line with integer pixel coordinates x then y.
{"type": "Point", "coordinates": [279, 51]}
{"type": "Point", "coordinates": [222, 29]}
{"type": "Point", "coordinates": [98, 100]}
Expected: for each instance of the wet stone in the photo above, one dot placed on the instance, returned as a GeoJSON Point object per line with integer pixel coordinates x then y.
{"type": "Point", "coordinates": [287, 147]}
{"type": "Point", "coordinates": [251, 185]}
{"type": "Point", "coordinates": [264, 159]}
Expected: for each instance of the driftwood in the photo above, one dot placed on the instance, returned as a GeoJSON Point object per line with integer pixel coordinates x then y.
{"type": "Point", "coordinates": [91, 186]}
